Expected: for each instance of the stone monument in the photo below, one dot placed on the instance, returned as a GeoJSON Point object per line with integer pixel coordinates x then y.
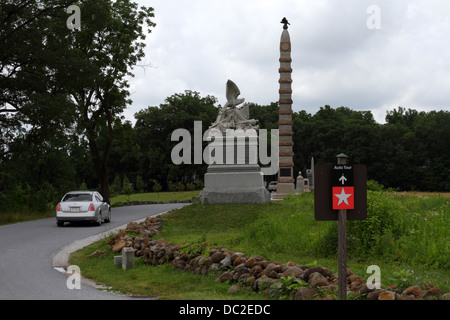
{"type": "Point", "coordinates": [286, 163]}
{"type": "Point", "coordinates": [233, 175]}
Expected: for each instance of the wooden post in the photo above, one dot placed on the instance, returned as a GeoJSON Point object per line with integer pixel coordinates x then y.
{"type": "Point", "coordinates": [342, 244]}
{"type": "Point", "coordinates": [342, 253]}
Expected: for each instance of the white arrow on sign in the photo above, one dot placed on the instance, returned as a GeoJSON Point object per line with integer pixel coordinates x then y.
{"type": "Point", "coordinates": [343, 179]}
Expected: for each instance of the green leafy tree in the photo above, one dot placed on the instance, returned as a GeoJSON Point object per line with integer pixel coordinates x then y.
{"type": "Point", "coordinates": [139, 184]}
{"type": "Point", "coordinates": [94, 67]}
{"type": "Point", "coordinates": [127, 187]}
{"type": "Point", "coordinates": [116, 185]}
{"type": "Point", "coordinates": [155, 126]}
{"type": "Point", "coordinates": [156, 186]}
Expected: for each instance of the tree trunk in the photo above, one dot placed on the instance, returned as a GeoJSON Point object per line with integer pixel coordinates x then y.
{"type": "Point", "coordinates": [100, 163]}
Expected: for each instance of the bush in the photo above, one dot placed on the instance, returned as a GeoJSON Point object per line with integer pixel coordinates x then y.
{"type": "Point", "coordinates": [24, 198]}
{"type": "Point", "coordinates": [198, 184]}
{"type": "Point", "coordinates": [83, 186]}
{"type": "Point", "coordinates": [156, 186]}
{"type": "Point", "coordinates": [127, 187]}
{"type": "Point", "coordinates": [374, 186]}
{"type": "Point", "coordinates": [179, 186]}
{"type": "Point", "coordinates": [190, 186]}
{"type": "Point", "coordinates": [139, 184]}
{"type": "Point", "coordinates": [116, 187]}
{"type": "Point", "coordinates": [171, 186]}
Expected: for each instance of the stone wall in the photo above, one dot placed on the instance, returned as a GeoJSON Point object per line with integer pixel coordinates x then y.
{"type": "Point", "coordinates": [254, 272]}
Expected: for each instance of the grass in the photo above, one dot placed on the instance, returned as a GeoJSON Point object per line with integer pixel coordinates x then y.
{"type": "Point", "coordinates": [155, 196]}
{"type": "Point", "coordinates": [162, 281]}
{"type": "Point", "coordinates": [407, 237]}
{"type": "Point", "coordinates": [24, 215]}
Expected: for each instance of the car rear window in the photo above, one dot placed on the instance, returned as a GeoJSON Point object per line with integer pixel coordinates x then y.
{"type": "Point", "coordinates": [78, 197]}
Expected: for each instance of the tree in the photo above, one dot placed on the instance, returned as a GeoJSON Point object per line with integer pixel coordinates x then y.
{"type": "Point", "coordinates": [155, 126]}
{"type": "Point", "coordinates": [156, 186]}
{"type": "Point", "coordinates": [29, 94]}
{"type": "Point", "coordinates": [127, 187]}
{"type": "Point", "coordinates": [94, 66]}
{"type": "Point", "coordinates": [139, 184]}
{"type": "Point", "coordinates": [125, 151]}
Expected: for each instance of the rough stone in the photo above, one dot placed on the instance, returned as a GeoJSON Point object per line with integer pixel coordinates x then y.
{"type": "Point", "coordinates": [317, 280]}
{"type": "Point", "coordinates": [306, 293]}
{"type": "Point", "coordinates": [118, 246]}
{"type": "Point", "coordinates": [375, 294]}
{"type": "Point", "coordinates": [234, 288]}
{"type": "Point", "coordinates": [387, 295]}
{"type": "Point", "coordinates": [436, 291]}
{"type": "Point", "coordinates": [239, 260]}
{"type": "Point", "coordinates": [226, 262]}
{"type": "Point", "coordinates": [323, 271]}
{"type": "Point", "coordinates": [218, 256]}
{"type": "Point", "coordinates": [293, 271]}
{"type": "Point", "coordinates": [262, 283]}
{"type": "Point", "coordinates": [256, 270]}
{"type": "Point", "coordinates": [432, 292]}
{"type": "Point", "coordinates": [226, 276]}
{"type": "Point", "coordinates": [270, 267]}
{"type": "Point", "coordinates": [412, 290]}
{"type": "Point", "coordinates": [250, 262]}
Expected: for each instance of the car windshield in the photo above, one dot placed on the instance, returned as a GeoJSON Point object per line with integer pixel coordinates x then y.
{"type": "Point", "coordinates": [78, 197]}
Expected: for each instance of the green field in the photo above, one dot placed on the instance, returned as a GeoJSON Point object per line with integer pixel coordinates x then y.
{"type": "Point", "coordinates": [155, 196]}
{"type": "Point", "coordinates": [406, 236]}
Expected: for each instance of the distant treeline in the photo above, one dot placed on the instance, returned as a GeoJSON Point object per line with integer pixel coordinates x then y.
{"type": "Point", "coordinates": [411, 151]}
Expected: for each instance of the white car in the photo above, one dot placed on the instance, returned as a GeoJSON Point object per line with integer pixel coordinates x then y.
{"type": "Point", "coordinates": [83, 206]}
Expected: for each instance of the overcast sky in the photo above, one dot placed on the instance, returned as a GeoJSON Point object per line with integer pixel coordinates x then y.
{"type": "Point", "coordinates": [343, 55]}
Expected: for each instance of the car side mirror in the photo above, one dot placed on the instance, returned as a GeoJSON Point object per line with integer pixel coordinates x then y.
{"type": "Point", "coordinates": [107, 201]}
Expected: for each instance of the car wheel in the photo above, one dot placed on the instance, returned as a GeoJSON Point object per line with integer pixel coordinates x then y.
{"type": "Point", "coordinates": [99, 219]}
{"type": "Point", "coordinates": [60, 223]}
{"type": "Point", "coordinates": [108, 218]}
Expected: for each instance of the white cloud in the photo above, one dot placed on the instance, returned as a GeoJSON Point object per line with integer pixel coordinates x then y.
{"type": "Point", "coordinates": [200, 44]}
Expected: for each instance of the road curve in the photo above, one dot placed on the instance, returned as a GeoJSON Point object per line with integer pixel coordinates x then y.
{"type": "Point", "coordinates": [30, 251]}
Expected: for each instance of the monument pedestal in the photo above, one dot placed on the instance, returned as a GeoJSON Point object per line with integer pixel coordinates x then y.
{"type": "Point", "coordinates": [283, 189]}
{"type": "Point", "coordinates": [234, 183]}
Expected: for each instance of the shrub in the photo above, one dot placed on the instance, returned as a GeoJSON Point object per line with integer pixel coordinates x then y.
{"type": "Point", "coordinates": [156, 186]}
{"type": "Point", "coordinates": [127, 187]}
{"type": "Point", "coordinates": [374, 186]}
{"type": "Point", "coordinates": [172, 187]}
{"type": "Point", "coordinates": [139, 184]}
{"type": "Point", "coordinates": [179, 186]}
{"type": "Point", "coordinates": [116, 187]}
{"type": "Point", "coordinates": [190, 186]}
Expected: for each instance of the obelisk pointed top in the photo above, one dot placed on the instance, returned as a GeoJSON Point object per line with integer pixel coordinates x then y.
{"type": "Point", "coordinates": [285, 22]}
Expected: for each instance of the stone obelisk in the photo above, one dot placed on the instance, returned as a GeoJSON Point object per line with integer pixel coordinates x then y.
{"type": "Point", "coordinates": [286, 163]}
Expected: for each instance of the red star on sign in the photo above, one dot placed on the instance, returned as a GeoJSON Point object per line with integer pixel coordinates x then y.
{"type": "Point", "coordinates": [343, 198]}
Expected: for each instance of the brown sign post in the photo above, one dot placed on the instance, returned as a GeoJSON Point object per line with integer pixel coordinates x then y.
{"type": "Point", "coordinates": [340, 194]}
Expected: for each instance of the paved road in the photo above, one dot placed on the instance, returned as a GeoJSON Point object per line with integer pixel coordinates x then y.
{"type": "Point", "coordinates": [27, 251]}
